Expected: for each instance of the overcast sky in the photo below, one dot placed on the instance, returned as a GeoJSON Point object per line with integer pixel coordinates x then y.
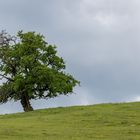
{"type": "Point", "coordinates": [98, 39]}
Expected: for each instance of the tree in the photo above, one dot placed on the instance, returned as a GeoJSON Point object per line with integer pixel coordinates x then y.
{"type": "Point", "coordinates": [31, 69]}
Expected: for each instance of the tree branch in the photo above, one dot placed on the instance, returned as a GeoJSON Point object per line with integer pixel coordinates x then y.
{"type": "Point", "coordinates": [6, 77]}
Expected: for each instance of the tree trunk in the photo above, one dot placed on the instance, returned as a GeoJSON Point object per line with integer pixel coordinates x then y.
{"type": "Point", "coordinates": [26, 103]}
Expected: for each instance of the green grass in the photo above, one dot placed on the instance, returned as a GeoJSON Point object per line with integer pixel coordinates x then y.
{"type": "Point", "coordinates": [96, 122]}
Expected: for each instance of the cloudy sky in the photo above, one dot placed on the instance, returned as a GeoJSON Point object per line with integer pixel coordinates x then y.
{"type": "Point", "coordinates": [98, 39]}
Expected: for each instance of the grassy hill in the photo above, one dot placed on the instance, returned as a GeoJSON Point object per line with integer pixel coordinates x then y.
{"type": "Point", "coordinates": [97, 122]}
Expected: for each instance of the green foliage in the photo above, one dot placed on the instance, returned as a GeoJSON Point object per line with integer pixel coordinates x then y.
{"type": "Point", "coordinates": [97, 122]}
{"type": "Point", "coordinates": [31, 66]}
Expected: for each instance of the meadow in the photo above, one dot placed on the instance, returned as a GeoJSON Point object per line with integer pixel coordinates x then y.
{"type": "Point", "coordinates": [94, 122]}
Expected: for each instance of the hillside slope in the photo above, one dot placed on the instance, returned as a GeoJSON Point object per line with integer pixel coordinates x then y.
{"type": "Point", "coordinates": [97, 122]}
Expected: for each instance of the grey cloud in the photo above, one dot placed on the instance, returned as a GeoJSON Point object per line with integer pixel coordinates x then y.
{"type": "Point", "coordinates": [98, 39]}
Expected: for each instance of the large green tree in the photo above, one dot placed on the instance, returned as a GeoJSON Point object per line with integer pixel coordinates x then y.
{"type": "Point", "coordinates": [31, 69]}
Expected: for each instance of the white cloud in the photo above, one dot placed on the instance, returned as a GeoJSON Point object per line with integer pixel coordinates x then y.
{"type": "Point", "coordinates": [106, 20]}
{"type": "Point", "coordinates": [135, 99]}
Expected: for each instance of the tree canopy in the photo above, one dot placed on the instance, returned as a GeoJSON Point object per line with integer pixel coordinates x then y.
{"type": "Point", "coordinates": [31, 69]}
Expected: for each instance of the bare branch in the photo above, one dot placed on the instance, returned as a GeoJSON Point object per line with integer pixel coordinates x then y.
{"type": "Point", "coordinates": [6, 77]}
{"type": "Point", "coordinates": [6, 39]}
